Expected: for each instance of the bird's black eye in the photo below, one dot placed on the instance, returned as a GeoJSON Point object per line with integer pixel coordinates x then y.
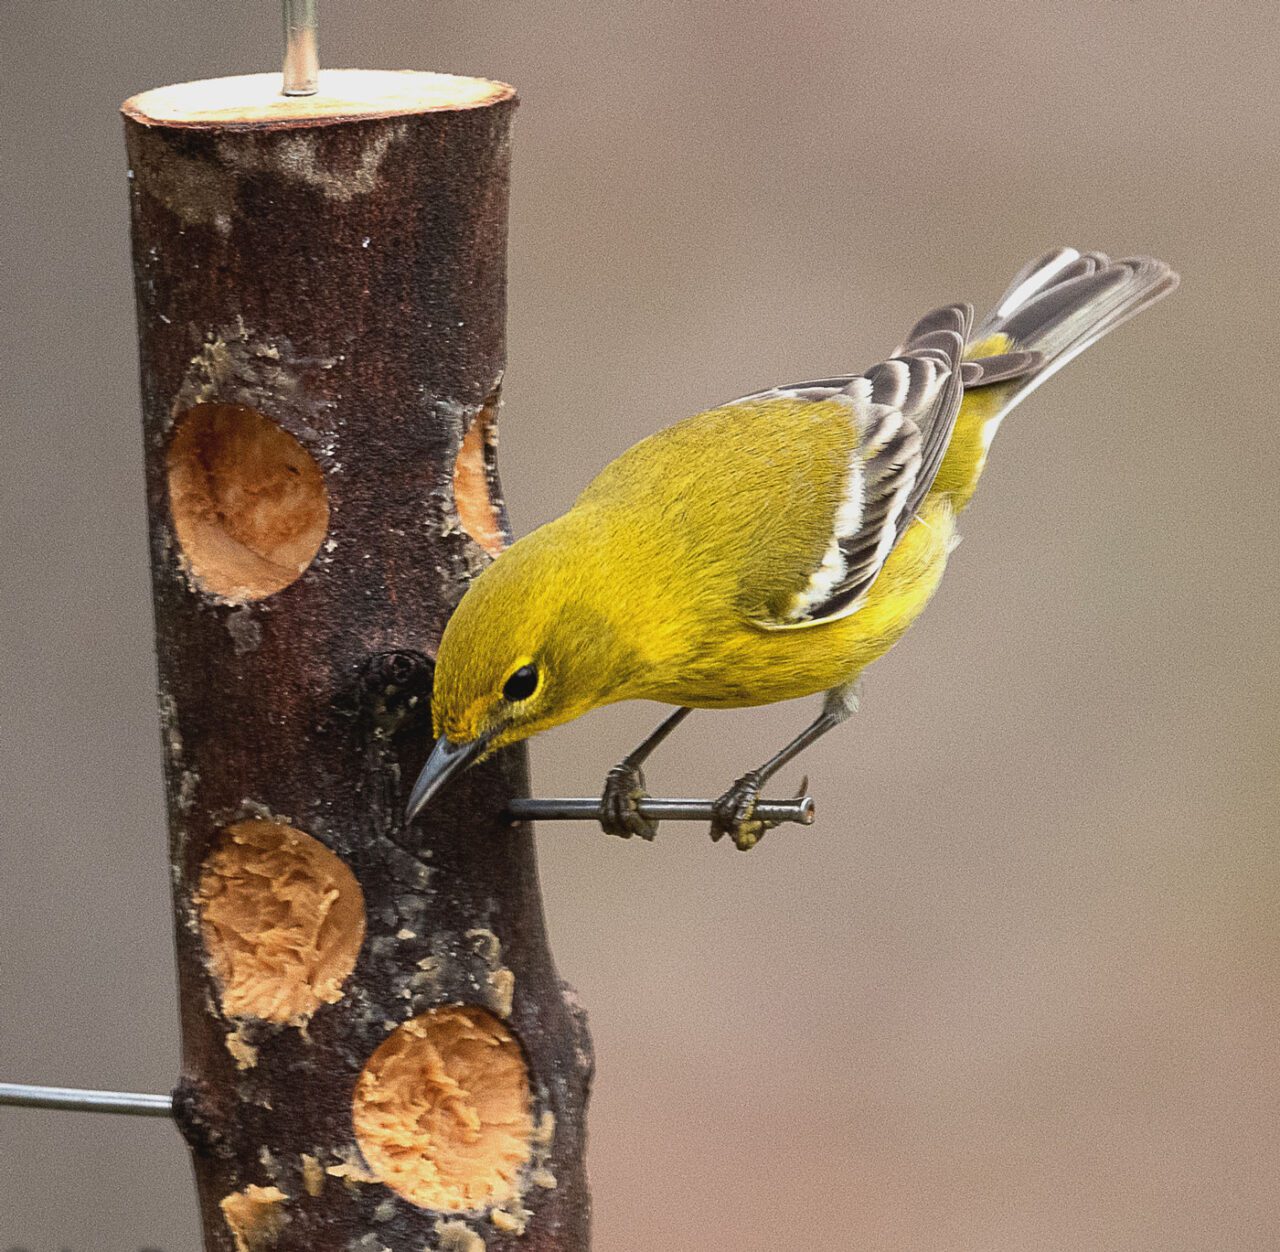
{"type": "Point", "coordinates": [522, 684]}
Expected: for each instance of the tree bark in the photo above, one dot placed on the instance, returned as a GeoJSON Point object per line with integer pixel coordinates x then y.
{"type": "Point", "coordinates": [321, 294]}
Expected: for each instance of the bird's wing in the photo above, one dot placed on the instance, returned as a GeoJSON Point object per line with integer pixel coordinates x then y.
{"type": "Point", "coordinates": [904, 409]}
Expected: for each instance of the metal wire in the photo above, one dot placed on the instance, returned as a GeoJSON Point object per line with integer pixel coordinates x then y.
{"type": "Point", "coordinates": [799, 810]}
{"type": "Point", "coordinates": [83, 1100]}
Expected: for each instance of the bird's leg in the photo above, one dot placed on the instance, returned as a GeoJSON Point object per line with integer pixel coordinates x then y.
{"type": "Point", "coordinates": [734, 812]}
{"type": "Point", "coordinates": [624, 787]}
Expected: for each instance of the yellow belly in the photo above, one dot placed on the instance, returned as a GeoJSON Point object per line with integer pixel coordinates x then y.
{"type": "Point", "coordinates": [748, 665]}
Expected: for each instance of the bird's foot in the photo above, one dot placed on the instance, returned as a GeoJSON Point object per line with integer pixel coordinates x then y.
{"type": "Point", "coordinates": [620, 804]}
{"type": "Point", "coordinates": [734, 813]}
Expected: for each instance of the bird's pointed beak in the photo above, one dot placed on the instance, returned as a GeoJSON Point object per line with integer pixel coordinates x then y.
{"type": "Point", "coordinates": [447, 759]}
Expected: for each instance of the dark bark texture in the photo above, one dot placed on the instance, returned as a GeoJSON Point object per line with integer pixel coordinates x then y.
{"type": "Point", "coordinates": [345, 278]}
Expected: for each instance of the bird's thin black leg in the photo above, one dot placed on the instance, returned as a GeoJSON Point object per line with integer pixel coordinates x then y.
{"type": "Point", "coordinates": [809, 735]}
{"type": "Point", "coordinates": [735, 810]}
{"type": "Point", "coordinates": [624, 787]}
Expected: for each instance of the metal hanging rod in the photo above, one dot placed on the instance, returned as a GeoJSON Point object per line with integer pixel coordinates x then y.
{"type": "Point", "coordinates": [301, 48]}
{"type": "Point", "coordinates": [800, 810]}
{"type": "Point", "coordinates": [84, 1100]}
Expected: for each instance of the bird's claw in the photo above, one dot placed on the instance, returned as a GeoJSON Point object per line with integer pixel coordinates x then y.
{"type": "Point", "coordinates": [620, 804]}
{"type": "Point", "coordinates": [734, 814]}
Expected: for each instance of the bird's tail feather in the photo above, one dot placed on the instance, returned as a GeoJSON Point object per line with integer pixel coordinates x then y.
{"type": "Point", "coordinates": [1055, 308]}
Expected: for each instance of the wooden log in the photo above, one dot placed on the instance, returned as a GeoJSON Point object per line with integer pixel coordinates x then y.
{"type": "Point", "coordinates": [377, 1052]}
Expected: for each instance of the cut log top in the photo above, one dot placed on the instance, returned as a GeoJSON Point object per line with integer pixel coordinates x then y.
{"type": "Point", "coordinates": [254, 100]}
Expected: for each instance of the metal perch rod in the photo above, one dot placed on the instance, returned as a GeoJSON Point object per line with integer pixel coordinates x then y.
{"type": "Point", "coordinates": [82, 1100]}
{"type": "Point", "coordinates": [799, 810]}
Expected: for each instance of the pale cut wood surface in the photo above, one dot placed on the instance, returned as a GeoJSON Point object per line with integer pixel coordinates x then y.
{"type": "Point", "coordinates": [255, 99]}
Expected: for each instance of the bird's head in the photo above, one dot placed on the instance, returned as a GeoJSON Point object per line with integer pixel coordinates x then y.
{"type": "Point", "coordinates": [530, 646]}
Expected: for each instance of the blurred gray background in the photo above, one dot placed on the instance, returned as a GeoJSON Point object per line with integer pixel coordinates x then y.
{"type": "Point", "coordinates": [1017, 990]}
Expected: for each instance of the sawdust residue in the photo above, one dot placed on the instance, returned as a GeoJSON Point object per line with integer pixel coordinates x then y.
{"type": "Point", "coordinates": [255, 1217]}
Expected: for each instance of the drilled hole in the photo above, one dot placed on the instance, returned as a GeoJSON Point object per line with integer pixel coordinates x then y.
{"type": "Point", "coordinates": [248, 501]}
{"type": "Point", "coordinates": [472, 482]}
{"type": "Point", "coordinates": [283, 921]}
{"type": "Point", "coordinates": [442, 1110]}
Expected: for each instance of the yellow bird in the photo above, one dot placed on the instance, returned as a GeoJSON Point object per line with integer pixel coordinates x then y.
{"type": "Point", "coordinates": [767, 549]}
